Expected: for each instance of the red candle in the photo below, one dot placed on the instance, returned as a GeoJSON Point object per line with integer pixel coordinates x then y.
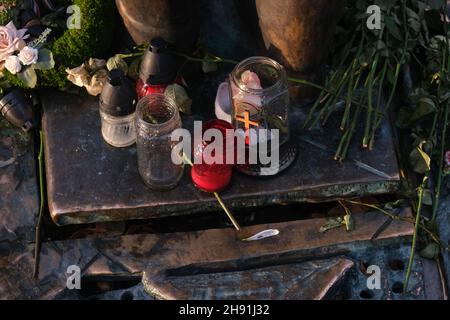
{"type": "Point", "coordinates": [217, 176]}
{"type": "Point", "coordinates": [143, 89]}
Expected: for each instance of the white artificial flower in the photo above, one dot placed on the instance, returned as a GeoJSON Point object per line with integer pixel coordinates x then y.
{"type": "Point", "coordinates": [28, 56]}
{"type": "Point", "coordinates": [12, 64]}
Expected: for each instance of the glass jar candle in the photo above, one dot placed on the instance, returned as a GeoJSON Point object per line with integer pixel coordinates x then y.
{"type": "Point", "coordinates": [157, 69]}
{"type": "Point", "coordinates": [117, 110]}
{"type": "Point", "coordinates": [260, 100]}
{"type": "Point", "coordinates": [211, 176]}
{"type": "Point", "coordinates": [259, 94]}
{"type": "Point", "coordinates": [118, 132]}
{"type": "Point", "coordinates": [156, 118]}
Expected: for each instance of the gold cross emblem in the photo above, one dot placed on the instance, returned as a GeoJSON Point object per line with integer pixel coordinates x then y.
{"type": "Point", "coordinates": [247, 124]}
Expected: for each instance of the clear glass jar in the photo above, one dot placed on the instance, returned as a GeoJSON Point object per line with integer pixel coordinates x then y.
{"type": "Point", "coordinates": [260, 100]}
{"type": "Point", "coordinates": [259, 90]}
{"type": "Point", "coordinates": [118, 131]}
{"type": "Point", "coordinates": [156, 118]}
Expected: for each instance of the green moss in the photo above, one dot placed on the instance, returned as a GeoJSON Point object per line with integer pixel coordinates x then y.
{"type": "Point", "coordinates": [75, 46]}
{"type": "Point", "coordinates": [6, 14]}
{"type": "Point", "coordinates": [98, 19]}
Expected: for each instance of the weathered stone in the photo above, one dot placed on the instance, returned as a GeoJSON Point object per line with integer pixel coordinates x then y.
{"type": "Point", "coordinates": [89, 181]}
{"type": "Point", "coordinates": [312, 280]}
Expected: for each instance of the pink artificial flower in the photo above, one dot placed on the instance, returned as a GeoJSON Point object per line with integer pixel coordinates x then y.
{"type": "Point", "coordinates": [11, 40]}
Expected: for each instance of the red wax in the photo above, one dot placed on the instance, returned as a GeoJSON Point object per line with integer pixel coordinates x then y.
{"type": "Point", "coordinates": [212, 177]}
{"type": "Point", "coordinates": [143, 89]}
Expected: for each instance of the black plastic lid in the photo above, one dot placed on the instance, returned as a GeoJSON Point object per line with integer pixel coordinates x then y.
{"type": "Point", "coordinates": [158, 64]}
{"type": "Point", "coordinates": [118, 96]}
{"type": "Point", "coordinates": [16, 108]}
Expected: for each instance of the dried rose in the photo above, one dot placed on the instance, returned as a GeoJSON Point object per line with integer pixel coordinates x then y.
{"type": "Point", "coordinates": [96, 64]}
{"type": "Point", "coordinates": [79, 76]}
{"type": "Point", "coordinates": [94, 88]}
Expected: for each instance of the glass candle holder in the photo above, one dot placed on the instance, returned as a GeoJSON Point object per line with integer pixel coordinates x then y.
{"type": "Point", "coordinates": [259, 93]}
{"type": "Point", "coordinates": [213, 177]}
{"type": "Point", "coordinates": [156, 118]}
{"type": "Point", "coordinates": [118, 131]}
{"type": "Point", "coordinates": [117, 109]}
{"type": "Point", "coordinates": [260, 103]}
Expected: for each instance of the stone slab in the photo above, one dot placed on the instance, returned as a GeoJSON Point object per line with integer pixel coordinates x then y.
{"type": "Point", "coordinates": [89, 181]}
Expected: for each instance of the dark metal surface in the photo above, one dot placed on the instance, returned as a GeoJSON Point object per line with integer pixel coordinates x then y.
{"type": "Point", "coordinates": [311, 280]}
{"type": "Point", "coordinates": [19, 200]}
{"type": "Point", "coordinates": [89, 181]}
{"type": "Point", "coordinates": [184, 253]}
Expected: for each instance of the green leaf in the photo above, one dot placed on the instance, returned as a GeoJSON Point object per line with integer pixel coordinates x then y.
{"type": "Point", "coordinates": [133, 70]}
{"type": "Point", "coordinates": [117, 62]}
{"type": "Point", "coordinates": [209, 67]}
{"type": "Point", "coordinates": [420, 160]}
{"type": "Point", "coordinates": [45, 60]}
{"type": "Point", "coordinates": [332, 223]}
{"type": "Point", "coordinates": [415, 25]}
{"type": "Point", "coordinates": [412, 14]}
{"type": "Point", "coordinates": [431, 251]}
{"type": "Point", "coordinates": [349, 222]}
{"type": "Point", "coordinates": [385, 4]}
{"type": "Point", "coordinates": [427, 198]}
{"type": "Point", "coordinates": [424, 107]}
{"type": "Point", "coordinates": [275, 122]}
{"type": "Point", "coordinates": [180, 96]}
{"type": "Point", "coordinates": [28, 77]}
{"type": "Point", "coordinates": [435, 4]}
{"type": "Point", "coordinates": [393, 28]}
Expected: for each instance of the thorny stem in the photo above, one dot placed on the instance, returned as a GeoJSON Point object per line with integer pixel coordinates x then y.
{"type": "Point", "coordinates": [131, 55]}
{"type": "Point", "coordinates": [380, 92]}
{"type": "Point", "coordinates": [416, 229]}
{"type": "Point", "coordinates": [328, 108]}
{"type": "Point", "coordinates": [370, 104]}
{"type": "Point", "coordinates": [446, 57]}
{"type": "Point", "coordinates": [437, 195]}
{"type": "Point", "coordinates": [37, 245]}
{"type": "Point", "coordinates": [214, 59]}
{"type": "Point", "coordinates": [324, 96]}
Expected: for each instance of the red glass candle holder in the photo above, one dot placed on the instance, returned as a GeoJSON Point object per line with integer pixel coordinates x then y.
{"type": "Point", "coordinates": [144, 89]}
{"type": "Point", "coordinates": [216, 176]}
